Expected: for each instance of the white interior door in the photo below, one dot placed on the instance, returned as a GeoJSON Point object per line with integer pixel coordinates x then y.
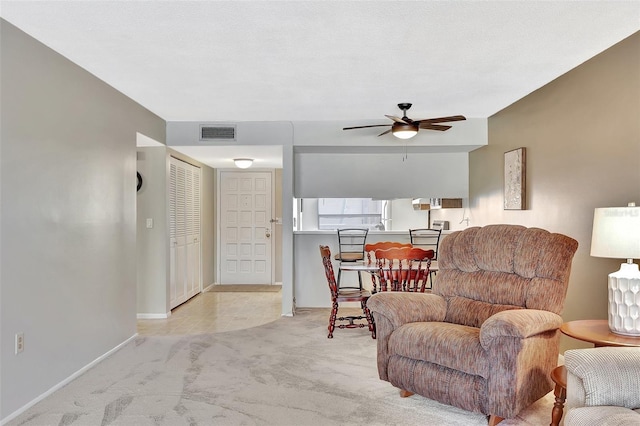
{"type": "Point", "coordinates": [246, 244]}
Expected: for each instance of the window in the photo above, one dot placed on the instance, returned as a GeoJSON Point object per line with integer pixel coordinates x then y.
{"type": "Point", "coordinates": [334, 213]}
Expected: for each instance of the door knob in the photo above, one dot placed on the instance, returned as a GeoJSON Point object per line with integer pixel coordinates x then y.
{"type": "Point", "coordinates": [267, 233]}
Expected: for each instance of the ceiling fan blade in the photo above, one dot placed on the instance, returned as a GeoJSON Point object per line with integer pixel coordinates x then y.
{"type": "Point", "coordinates": [384, 133]}
{"type": "Point", "coordinates": [396, 119]}
{"type": "Point", "coordinates": [364, 127]}
{"type": "Point", "coordinates": [430, 126]}
{"type": "Point", "coordinates": [443, 119]}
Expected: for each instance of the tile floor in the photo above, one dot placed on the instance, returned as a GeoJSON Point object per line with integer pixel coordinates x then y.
{"type": "Point", "coordinates": [211, 312]}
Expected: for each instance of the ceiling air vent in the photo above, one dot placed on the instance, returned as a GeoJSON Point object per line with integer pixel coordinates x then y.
{"type": "Point", "coordinates": [208, 133]}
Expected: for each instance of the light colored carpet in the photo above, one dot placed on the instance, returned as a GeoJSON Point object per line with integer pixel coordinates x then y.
{"type": "Point", "coordinates": [283, 373]}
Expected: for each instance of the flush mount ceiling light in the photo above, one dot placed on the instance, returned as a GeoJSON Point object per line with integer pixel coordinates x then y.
{"type": "Point", "coordinates": [243, 163]}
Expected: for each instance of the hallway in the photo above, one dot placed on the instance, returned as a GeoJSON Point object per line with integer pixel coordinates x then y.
{"type": "Point", "coordinates": [215, 312]}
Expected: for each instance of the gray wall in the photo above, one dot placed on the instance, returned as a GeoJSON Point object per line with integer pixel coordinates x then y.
{"type": "Point", "coordinates": [208, 225]}
{"type": "Point", "coordinates": [582, 134]}
{"type": "Point", "coordinates": [152, 244]}
{"type": "Point", "coordinates": [277, 228]}
{"type": "Point", "coordinates": [68, 216]}
{"type": "Point", "coordinates": [384, 176]}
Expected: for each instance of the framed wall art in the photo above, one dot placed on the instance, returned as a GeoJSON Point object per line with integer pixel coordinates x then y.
{"type": "Point", "coordinates": [515, 194]}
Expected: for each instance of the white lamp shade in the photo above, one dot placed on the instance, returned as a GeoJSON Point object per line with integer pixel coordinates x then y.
{"type": "Point", "coordinates": [616, 232]}
{"type": "Point", "coordinates": [243, 163]}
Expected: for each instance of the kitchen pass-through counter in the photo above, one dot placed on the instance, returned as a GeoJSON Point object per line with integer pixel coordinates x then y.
{"type": "Point", "coordinates": [310, 288]}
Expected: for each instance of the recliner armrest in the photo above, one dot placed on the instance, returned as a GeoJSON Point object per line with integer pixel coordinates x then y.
{"type": "Point", "coordinates": [401, 308]}
{"type": "Point", "coordinates": [519, 323]}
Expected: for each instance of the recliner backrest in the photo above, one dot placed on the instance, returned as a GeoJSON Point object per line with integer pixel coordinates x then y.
{"type": "Point", "coordinates": [485, 270]}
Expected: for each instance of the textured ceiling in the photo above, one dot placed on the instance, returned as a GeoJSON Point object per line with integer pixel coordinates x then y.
{"type": "Point", "coordinates": [325, 60]}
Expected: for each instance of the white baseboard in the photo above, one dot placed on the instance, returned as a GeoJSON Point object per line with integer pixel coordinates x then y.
{"type": "Point", "coordinates": [208, 288]}
{"type": "Point", "coordinates": [64, 382]}
{"type": "Point", "coordinates": [154, 316]}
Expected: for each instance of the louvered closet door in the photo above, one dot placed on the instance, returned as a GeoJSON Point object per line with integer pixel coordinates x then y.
{"type": "Point", "coordinates": [193, 232]}
{"type": "Point", "coordinates": [172, 234]}
{"type": "Point", "coordinates": [184, 231]}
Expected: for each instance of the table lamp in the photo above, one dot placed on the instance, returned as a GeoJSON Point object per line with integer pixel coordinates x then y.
{"type": "Point", "coordinates": [616, 234]}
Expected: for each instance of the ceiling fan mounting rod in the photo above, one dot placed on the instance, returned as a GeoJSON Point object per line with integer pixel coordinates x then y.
{"type": "Point", "coordinates": [404, 106]}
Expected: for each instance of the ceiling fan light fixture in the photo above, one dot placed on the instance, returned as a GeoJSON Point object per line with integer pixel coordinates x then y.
{"type": "Point", "coordinates": [404, 130]}
{"type": "Point", "coordinates": [243, 163]}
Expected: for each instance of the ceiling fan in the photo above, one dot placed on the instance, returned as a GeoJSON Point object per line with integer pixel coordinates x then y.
{"type": "Point", "coordinates": [405, 128]}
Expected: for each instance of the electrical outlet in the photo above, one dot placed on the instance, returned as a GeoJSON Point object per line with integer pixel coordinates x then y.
{"type": "Point", "coordinates": [19, 342]}
{"type": "Point", "coordinates": [149, 223]}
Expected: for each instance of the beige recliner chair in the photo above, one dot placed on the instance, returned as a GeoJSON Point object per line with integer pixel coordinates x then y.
{"type": "Point", "coordinates": [603, 387]}
{"type": "Point", "coordinates": [487, 338]}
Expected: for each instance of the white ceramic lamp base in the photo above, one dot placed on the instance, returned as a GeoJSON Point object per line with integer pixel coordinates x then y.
{"type": "Point", "coordinates": [624, 300]}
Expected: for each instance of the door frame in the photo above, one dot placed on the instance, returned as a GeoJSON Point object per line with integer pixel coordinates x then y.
{"type": "Point", "coordinates": [218, 250]}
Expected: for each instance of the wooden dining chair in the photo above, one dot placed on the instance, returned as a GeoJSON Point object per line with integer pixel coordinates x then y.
{"type": "Point", "coordinates": [427, 238]}
{"type": "Point", "coordinates": [404, 269]}
{"type": "Point", "coordinates": [370, 250]}
{"type": "Point", "coordinates": [351, 242]}
{"type": "Point", "coordinates": [345, 295]}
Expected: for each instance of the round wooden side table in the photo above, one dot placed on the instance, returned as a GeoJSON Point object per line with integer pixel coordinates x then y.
{"type": "Point", "coordinates": [592, 331]}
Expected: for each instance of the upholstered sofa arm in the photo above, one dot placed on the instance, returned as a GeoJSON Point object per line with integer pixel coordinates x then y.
{"type": "Point", "coordinates": [603, 376]}
{"type": "Point", "coordinates": [401, 308]}
{"type": "Point", "coordinates": [607, 415]}
{"type": "Point", "coordinates": [519, 323]}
